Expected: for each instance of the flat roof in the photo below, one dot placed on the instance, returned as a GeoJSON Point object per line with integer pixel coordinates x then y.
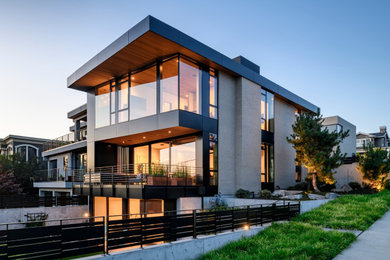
{"type": "Point", "coordinates": [151, 39]}
{"type": "Point", "coordinates": [78, 111]}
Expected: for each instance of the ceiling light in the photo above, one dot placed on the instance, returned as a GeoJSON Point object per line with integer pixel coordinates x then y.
{"type": "Point", "coordinates": [144, 137]}
{"type": "Point", "coordinates": [169, 131]}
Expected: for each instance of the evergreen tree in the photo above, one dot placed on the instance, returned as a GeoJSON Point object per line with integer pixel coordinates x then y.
{"type": "Point", "coordinates": [316, 147]}
{"type": "Point", "coordinates": [374, 165]}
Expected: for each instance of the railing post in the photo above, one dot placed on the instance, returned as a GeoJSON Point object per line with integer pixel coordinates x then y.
{"type": "Point", "coordinates": [261, 215]}
{"type": "Point", "coordinates": [194, 224]}
{"type": "Point", "coordinates": [289, 211]}
{"type": "Point", "coordinates": [247, 215]}
{"type": "Point", "coordinates": [232, 219]}
{"type": "Point", "coordinates": [142, 229]}
{"type": "Point", "coordinates": [105, 233]}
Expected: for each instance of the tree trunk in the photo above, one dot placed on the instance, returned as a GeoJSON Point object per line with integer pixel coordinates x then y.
{"type": "Point", "coordinates": [314, 179]}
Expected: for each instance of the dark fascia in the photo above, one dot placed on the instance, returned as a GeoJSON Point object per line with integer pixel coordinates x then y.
{"type": "Point", "coordinates": [154, 25]}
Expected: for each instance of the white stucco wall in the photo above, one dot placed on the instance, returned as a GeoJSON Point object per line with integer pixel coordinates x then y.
{"type": "Point", "coordinates": [284, 152]}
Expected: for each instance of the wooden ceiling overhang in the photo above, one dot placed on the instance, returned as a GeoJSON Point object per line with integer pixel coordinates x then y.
{"type": "Point", "coordinates": [151, 39]}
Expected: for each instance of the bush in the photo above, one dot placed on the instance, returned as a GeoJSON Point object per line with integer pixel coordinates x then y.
{"type": "Point", "coordinates": [245, 194]}
{"type": "Point", "coordinates": [326, 187]}
{"type": "Point", "coordinates": [355, 185]}
{"type": "Point", "coordinates": [265, 194]}
{"type": "Point", "coordinates": [299, 186]}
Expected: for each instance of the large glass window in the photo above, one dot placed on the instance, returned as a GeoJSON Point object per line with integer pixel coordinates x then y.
{"type": "Point", "coordinates": [102, 106]}
{"type": "Point", "coordinates": [169, 85]}
{"type": "Point", "coordinates": [267, 163]}
{"type": "Point", "coordinates": [113, 105]}
{"type": "Point", "coordinates": [213, 159]}
{"type": "Point", "coordinates": [32, 153]}
{"type": "Point", "coordinates": [213, 110]}
{"type": "Point", "coordinates": [189, 86]}
{"type": "Point", "coordinates": [123, 101]}
{"type": "Point", "coordinates": [143, 93]}
{"type": "Point", "coordinates": [267, 111]}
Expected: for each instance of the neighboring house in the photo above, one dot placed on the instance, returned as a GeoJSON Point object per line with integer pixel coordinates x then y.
{"type": "Point", "coordinates": [29, 147]}
{"type": "Point", "coordinates": [64, 154]}
{"type": "Point", "coordinates": [171, 120]}
{"type": "Point", "coordinates": [378, 139]}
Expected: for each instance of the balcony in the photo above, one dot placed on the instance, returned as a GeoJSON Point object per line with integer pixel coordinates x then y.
{"type": "Point", "coordinates": [53, 178]}
{"type": "Point", "coordinates": [63, 140]}
{"type": "Point", "coordinates": [140, 181]}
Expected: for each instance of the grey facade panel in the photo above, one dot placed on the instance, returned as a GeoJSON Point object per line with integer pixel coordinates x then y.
{"type": "Point", "coordinates": [167, 31]}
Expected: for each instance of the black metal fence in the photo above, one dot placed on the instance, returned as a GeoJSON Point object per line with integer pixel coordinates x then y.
{"type": "Point", "coordinates": [77, 237]}
{"type": "Point", "coordinates": [139, 231]}
{"type": "Point", "coordinates": [73, 237]}
{"type": "Point", "coordinates": [27, 201]}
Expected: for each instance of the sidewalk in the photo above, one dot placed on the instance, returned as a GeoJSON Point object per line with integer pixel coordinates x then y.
{"type": "Point", "coordinates": [374, 243]}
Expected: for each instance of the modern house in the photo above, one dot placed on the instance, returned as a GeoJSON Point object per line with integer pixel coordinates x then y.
{"type": "Point", "coordinates": [28, 147]}
{"type": "Point", "coordinates": [171, 120]}
{"type": "Point", "coordinates": [378, 139]}
{"type": "Point", "coordinates": [64, 154]}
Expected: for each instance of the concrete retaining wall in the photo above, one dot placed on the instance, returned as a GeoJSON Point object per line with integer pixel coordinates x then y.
{"type": "Point", "coordinates": [184, 249]}
{"type": "Point", "coordinates": [54, 213]}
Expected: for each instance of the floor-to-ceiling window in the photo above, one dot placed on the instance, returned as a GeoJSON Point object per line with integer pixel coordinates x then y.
{"type": "Point", "coordinates": [143, 93]}
{"type": "Point", "coordinates": [267, 111]}
{"type": "Point", "coordinates": [102, 106]}
{"type": "Point", "coordinates": [169, 85]}
{"type": "Point", "coordinates": [189, 86]}
{"type": "Point", "coordinates": [213, 159]}
{"type": "Point", "coordinates": [213, 95]}
{"type": "Point", "coordinates": [123, 100]}
{"type": "Point", "coordinates": [267, 164]}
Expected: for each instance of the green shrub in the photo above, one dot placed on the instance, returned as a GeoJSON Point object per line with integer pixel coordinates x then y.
{"type": "Point", "coordinates": [241, 193]}
{"type": "Point", "coordinates": [355, 185]}
{"type": "Point", "coordinates": [265, 194]}
{"type": "Point", "coordinates": [299, 186]}
{"type": "Point", "coordinates": [325, 187]}
{"type": "Point", "coordinates": [387, 184]}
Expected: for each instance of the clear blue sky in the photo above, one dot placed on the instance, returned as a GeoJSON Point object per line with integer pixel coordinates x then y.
{"type": "Point", "coordinates": [335, 54]}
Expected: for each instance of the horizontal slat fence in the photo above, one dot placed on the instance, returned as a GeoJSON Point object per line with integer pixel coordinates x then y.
{"type": "Point", "coordinates": [140, 231]}
{"type": "Point", "coordinates": [55, 241]}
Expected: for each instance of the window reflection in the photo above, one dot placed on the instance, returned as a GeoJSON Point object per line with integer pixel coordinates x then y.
{"type": "Point", "coordinates": [169, 85]}
{"type": "Point", "coordinates": [123, 101]}
{"type": "Point", "coordinates": [267, 111]}
{"type": "Point", "coordinates": [143, 93]}
{"type": "Point", "coordinates": [213, 111]}
{"type": "Point", "coordinates": [102, 106]}
{"type": "Point", "coordinates": [189, 86]}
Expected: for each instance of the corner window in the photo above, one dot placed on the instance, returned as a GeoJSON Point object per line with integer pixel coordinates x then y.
{"type": "Point", "coordinates": [143, 93]}
{"type": "Point", "coordinates": [213, 161]}
{"type": "Point", "coordinates": [189, 86]}
{"type": "Point", "coordinates": [102, 106]}
{"type": "Point", "coordinates": [169, 85]}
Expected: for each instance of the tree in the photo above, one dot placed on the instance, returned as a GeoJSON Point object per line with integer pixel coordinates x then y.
{"type": "Point", "coordinates": [22, 171]}
{"type": "Point", "coordinates": [374, 165]}
{"type": "Point", "coordinates": [7, 183]}
{"type": "Point", "coordinates": [316, 147]}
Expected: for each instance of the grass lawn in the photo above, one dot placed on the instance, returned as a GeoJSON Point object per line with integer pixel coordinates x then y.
{"type": "Point", "coordinates": [286, 241]}
{"type": "Point", "coordinates": [356, 212]}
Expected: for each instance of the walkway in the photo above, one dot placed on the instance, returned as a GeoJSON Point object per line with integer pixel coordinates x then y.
{"type": "Point", "coordinates": [374, 243]}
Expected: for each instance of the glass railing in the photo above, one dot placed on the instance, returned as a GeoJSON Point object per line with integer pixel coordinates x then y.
{"type": "Point", "coordinates": [62, 140]}
{"type": "Point", "coordinates": [56, 174]}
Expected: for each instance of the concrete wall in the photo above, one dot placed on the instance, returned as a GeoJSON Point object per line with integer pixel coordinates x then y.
{"type": "Point", "coordinates": [54, 213]}
{"type": "Point", "coordinates": [184, 249]}
{"type": "Point", "coordinates": [348, 146]}
{"type": "Point", "coordinates": [284, 152]}
{"type": "Point", "coordinates": [189, 203]}
{"type": "Point", "coordinates": [248, 135]}
{"type": "Point", "coordinates": [226, 134]}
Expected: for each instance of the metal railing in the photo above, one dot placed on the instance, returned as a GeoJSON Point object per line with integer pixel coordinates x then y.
{"type": "Point", "coordinates": [62, 140]}
{"type": "Point", "coordinates": [141, 174]}
{"type": "Point", "coordinates": [56, 174]}
{"type": "Point", "coordinates": [56, 239]}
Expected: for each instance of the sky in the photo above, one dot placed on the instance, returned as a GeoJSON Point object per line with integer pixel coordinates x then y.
{"type": "Point", "coordinates": [335, 54]}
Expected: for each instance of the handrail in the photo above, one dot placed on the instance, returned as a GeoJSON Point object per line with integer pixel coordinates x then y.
{"type": "Point", "coordinates": [142, 173]}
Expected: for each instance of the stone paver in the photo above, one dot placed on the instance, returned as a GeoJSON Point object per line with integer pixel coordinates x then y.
{"type": "Point", "coordinates": [374, 243]}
